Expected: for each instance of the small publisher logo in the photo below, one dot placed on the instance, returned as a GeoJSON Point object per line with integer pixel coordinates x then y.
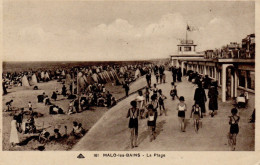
{"type": "Point", "coordinates": [80, 156]}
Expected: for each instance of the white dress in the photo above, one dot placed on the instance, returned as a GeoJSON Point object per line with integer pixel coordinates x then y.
{"type": "Point", "coordinates": [14, 133]}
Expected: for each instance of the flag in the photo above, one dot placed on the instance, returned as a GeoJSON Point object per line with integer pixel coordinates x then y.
{"type": "Point", "coordinates": [192, 28]}
{"type": "Point", "coordinates": [188, 28]}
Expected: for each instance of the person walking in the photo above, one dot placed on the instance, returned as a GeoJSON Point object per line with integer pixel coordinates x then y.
{"type": "Point", "coordinates": [181, 108]}
{"type": "Point", "coordinates": [151, 122]}
{"type": "Point", "coordinates": [148, 79]}
{"type": "Point", "coordinates": [133, 114]}
{"type": "Point", "coordinates": [140, 103]}
{"type": "Point", "coordinates": [213, 98]}
{"type": "Point", "coordinates": [179, 74]}
{"type": "Point", "coordinates": [154, 103]}
{"type": "Point", "coordinates": [155, 90]}
{"type": "Point", "coordinates": [174, 74]}
{"type": "Point", "coordinates": [200, 98]}
{"type": "Point", "coordinates": [126, 86]}
{"type": "Point", "coordinates": [234, 128]}
{"type": "Point", "coordinates": [161, 99]}
{"type": "Point", "coordinates": [147, 95]}
{"type": "Point", "coordinates": [196, 113]}
{"type": "Point", "coordinates": [173, 92]}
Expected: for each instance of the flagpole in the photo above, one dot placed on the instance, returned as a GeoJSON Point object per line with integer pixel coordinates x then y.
{"type": "Point", "coordinates": [186, 34]}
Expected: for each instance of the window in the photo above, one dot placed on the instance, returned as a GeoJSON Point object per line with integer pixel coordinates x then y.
{"type": "Point", "coordinates": [251, 80]}
{"type": "Point", "coordinates": [180, 48]}
{"type": "Point", "coordinates": [241, 76]}
{"type": "Point", "coordinates": [187, 49]}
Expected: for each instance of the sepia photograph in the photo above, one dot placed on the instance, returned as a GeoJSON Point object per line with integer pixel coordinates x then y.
{"type": "Point", "coordinates": [128, 76]}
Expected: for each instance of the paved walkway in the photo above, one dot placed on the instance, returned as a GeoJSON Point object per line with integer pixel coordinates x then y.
{"type": "Point", "coordinates": [111, 132]}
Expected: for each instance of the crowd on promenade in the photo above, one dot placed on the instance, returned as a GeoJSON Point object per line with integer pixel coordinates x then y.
{"type": "Point", "coordinates": [150, 104]}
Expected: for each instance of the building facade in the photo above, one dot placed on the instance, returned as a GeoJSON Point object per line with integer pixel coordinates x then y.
{"type": "Point", "coordinates": [233, 66]}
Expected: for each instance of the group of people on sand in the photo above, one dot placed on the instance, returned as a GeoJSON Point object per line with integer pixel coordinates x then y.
{"type": "Point", "coordinates": [20, 125]}
{"type": "Point", "coordinates": [150, 105]}
{"type": "Point", "coordinates": [95, 94]}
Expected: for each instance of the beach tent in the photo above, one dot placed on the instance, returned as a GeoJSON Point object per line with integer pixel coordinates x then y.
{"type": "Point", "coordinates": [95, 77]}
{"type": "Point", "coordinates": [25, 82]}
{"type": "Point", "coordinates": [34, 80]}
{"type": "Point", "coordinates": [42, 75]}
{"type": "Point", "coordinates": [85, 78]}
{"type": "Point", "coordinates": [122, 70]}
{"type": "Point", "coordinates": [46, 76]}
{"type": "Point", "coordinates": [108, 75]}
{"type": "Point", "coordinates": [112, 75]}
{"type": "Point", "coordinates": [90, 80]}
{"type": "Point", "coordinates": [82, 84]}
{"type": "Point", "coordinates": [68, 79]}
{"type": "Point", "coordinates": [137, 73]}
{"type": "Point", "coordinates": [116, 76]}
{"type": "Point", "coordinates": [63, 73]}
{"type": "Point", "coordinates": [101, 76]}
{"type": "Point", "coordinates": [79, 75]}
{"type": "Point", "coordinates": [104, 77]}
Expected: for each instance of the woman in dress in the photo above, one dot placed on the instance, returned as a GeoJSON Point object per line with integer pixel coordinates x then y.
{"type": "Point", "coordinates": [181, 108]}
{"type": "Point", "coordinates": [14, 140]}
{"type": "Point", "coordinates": [234, 128]}
{"type": "Point", "coordinates": [133, 114]}
{"type": "Point", "coordinates": [200, 98]}
{"type": "Point", "coordinates": [213, 98]}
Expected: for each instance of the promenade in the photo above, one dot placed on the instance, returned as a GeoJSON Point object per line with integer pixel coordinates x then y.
{"type": "Point", "coordinates": [111, 132]}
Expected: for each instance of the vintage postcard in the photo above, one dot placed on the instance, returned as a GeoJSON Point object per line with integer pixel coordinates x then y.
{"type": "Point", "coordinates": [129, 82]}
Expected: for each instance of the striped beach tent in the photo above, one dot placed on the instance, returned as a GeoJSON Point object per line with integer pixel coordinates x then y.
{"type": "Point", "coordinates": [25, 82]}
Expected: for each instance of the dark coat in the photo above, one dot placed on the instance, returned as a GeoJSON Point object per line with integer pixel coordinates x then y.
{"type": "Point", "coordinates": [213, 98]}
{"type": "Point", "coordinates": [200, 98]}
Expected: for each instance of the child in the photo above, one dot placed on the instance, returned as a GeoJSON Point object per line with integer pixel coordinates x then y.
{"type": "Point", "coordinates": [161, 102]}
{"type": "Point", "coordinates": [151, 115]}
{"type": "Point", "coordinates": [173, 92]}
{"type": "Point", "coordinates": [196, 113]}
{"type": "Point", "coordinates": [181, 108]}
{"type": "Point", "coordinates": [234, 128]}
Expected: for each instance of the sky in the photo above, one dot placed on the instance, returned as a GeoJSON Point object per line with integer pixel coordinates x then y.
{"type": "Point", "coordinates": [117, 30]}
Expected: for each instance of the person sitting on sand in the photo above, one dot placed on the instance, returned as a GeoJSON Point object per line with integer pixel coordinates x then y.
{"type": "Point", "coordinates": [54, 96]}
{"type": "Point", "coordinates": [47, 101]}
{"type": "Point", "coordinates": [9, 105]}
{"type": "Point", "coordinates": [77, 130]}
{"type": "Point", "coordinates": [57, 134]}
{"type": "Point", "coordinates": [113, 102]}
{"type": "Point", "coordinates": [70, 110]}
{"type": "Point", "coordinates": [44, 136]}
